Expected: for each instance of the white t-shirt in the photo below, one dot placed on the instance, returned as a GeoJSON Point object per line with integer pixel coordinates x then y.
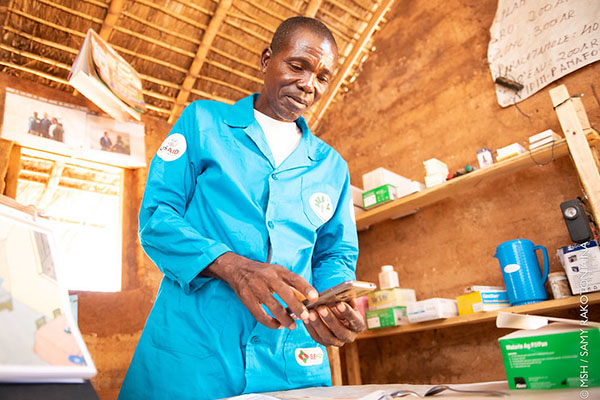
{"type": "Point", "coordinates": [282, 137]}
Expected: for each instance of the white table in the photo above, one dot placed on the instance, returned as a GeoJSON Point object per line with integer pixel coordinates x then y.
{"type": "Point", "coordinates": [364, 391]}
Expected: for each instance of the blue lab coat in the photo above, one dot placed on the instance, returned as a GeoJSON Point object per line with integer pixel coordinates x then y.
{"type": "Point", "coordinates": [213, 188]}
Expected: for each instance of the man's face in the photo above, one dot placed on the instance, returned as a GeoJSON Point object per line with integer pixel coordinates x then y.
{"type": "Point", "coordinates": [297, 76]}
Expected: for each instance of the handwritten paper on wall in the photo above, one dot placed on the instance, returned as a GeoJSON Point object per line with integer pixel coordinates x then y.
{"type": "Point", "coordinates": [535, 42]}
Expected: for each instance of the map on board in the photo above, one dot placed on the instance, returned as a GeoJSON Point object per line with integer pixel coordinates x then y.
{"type": "Point", "coordinates": [39, 339]}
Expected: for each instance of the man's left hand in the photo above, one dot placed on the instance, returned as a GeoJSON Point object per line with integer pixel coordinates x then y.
{"type": "Point", "coordinates": [335, 325]}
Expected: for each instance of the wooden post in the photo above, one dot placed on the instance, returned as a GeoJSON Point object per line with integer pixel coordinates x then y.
{"type": "Point", "coordinates": [333, 353]}
{"type": "Point", "coordinates": [352, 364]}
{"type": "Point", "coordinates": [575, 125]}
{"type": "Point", "coordinates": [12, 171]}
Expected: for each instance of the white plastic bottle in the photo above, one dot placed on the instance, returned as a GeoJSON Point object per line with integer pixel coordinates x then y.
{"type": "Point", "coordinates": [388, 278]}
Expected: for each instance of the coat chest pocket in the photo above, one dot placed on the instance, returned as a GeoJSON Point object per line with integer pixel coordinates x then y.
{"type": "Point", "coordinates": [319, 201]}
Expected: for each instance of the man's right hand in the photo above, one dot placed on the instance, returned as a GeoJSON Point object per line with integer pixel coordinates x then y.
{"type": "Point", "coordinates": [255, 283]}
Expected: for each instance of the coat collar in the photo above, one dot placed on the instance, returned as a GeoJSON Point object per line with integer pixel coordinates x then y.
{"type": "Point", "coordinates": [241, 115]}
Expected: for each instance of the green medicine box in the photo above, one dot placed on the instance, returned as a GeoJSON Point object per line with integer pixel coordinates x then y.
{"type": "Point", "coordinates": [552, 357]}
{"type": "Point", "coordinates": [379, 195]}
{"type": "Point", "coordinates": [386, 317]}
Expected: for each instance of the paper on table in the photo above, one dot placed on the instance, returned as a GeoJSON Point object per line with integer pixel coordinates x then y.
{"type": "Point", "coordinates": [525, 321]}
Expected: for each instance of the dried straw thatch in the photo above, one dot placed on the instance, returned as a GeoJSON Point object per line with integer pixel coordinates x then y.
{"type": "Point", "coordinates": [183, 49]}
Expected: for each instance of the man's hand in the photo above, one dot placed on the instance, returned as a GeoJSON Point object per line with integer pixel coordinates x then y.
{"type": "Point", "coordinates": [255, 283]}
{"type": "Point", "coordinates": [335, 325]}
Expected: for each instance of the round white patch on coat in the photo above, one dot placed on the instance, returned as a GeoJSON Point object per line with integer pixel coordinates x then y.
{"type": "Point", "coordinates": [321, 205]}
{"type": "Point", "coordinates": [172, 148]}
{"type": "Point", "coordinates": [309, 356]}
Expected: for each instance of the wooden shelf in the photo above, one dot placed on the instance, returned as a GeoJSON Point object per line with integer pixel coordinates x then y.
{"type": "Point", "coordinates": [536, 308]}
{"type": "Point", "coordinates": [407, 204]}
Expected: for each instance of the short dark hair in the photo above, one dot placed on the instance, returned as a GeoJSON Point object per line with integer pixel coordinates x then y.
{"type": "Point", "coordinates": [285, 30]}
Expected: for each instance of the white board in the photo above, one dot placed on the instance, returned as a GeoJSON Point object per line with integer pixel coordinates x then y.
{"type": "Point", "coordinates": [535, 42]}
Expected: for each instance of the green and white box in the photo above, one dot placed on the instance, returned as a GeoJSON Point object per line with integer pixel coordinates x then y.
{"type": "Point", "coordinates": [379, 195]}
{"type": "Point", "coordinates": [555, 356]}
{"type": "Point", "coordinates": [386, 317]}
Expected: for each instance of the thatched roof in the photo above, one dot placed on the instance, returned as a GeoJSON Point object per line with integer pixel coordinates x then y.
{"type": "Point", "coordinates": [183, 49]}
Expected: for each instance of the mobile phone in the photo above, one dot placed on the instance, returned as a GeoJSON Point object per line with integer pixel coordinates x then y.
{"type": "Point", "coordinates": [345, 291]}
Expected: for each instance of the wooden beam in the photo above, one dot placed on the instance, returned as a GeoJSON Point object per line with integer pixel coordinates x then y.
{"type": "Point", "coordinates": [312, 8]}
{"type": "Point", "coordinates": [201, 53]}
{"type": "Point", "coordinates": [112, 15]}
{"type": "Point", "coordinates": [351, 59]}
{"type": "Point", "coordinates": [573, 120]}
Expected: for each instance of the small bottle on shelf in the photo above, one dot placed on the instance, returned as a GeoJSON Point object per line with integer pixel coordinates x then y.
{"type": "Point", "coordinates": [388, 278]}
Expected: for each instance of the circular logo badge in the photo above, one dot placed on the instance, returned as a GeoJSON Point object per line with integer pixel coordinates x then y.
{"type": "Point", "coordinates": [321, 205]}
{"type": "Point", "coordinates": [172, 148]}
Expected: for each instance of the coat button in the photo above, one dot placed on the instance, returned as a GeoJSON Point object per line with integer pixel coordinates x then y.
{"type": "Point", "coordinates": [255, 340]}
{"type": "Point", "coordinates": [274, 176]}
{"type": "Point", "coordinates": [270, 224]}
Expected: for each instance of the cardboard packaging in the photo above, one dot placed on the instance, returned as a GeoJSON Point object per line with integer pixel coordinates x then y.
{"type": "Point", "coordinates": [484, 157]}
{"type": "Point", "coordinates": [482, 298]}
{"type": "Point", "coordinates": [381, 176]}
{"type": "Point", "coordinates": [430, 309]}
{"type": "Point", "coordinates": [394, 297]}
{"type": "Point", "coordinates": [556, 356]}
{"type": "Point", "coordinates": [357, 195]}
{"type": "Point", "coordinates": [379, 195]}
{"type": "Point", "coordinates": [509, 151]}
{"type": "Point", "coordinates": [384, 318]}
{"type": "Point", "coordinates": [542, 138]}
{"type": "Point", "coordinates": [582, 266]}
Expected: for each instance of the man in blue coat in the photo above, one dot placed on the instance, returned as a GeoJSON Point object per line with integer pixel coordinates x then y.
{"type": "Point", "coordinates": [245, 212]}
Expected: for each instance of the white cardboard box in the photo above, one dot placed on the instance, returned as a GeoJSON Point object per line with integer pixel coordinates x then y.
{"type": "Point", "coordinates": [430, 309]}
{"type": "Point", "coordinates": [381, 176]}
{"type": "Point", "coordinates": [357, 197]}
{"type": "Point", "coordinates": [582, 266]}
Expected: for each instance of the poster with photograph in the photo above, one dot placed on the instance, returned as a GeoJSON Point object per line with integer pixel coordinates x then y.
{"type": "Point", "coordinates": [39, 339]}
{"type": "Point", "coordinates": [58, 127]}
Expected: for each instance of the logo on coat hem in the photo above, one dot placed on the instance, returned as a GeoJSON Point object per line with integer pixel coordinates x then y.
{"type": "Point", "coordinates": [321, 205]}
{"type": "Point", "coordinates": [309, 356]}
{"type": "Point", "coordinates": [172, 147]}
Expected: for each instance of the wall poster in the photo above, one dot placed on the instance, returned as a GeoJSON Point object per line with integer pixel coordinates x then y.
{"type": "Point", "coordinates": [535, 42]}
{"type": "Point", "coordinates": [49, 125]}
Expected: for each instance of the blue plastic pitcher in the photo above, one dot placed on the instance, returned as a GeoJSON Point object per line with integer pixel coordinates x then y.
{"type": "Point", "coordinates": [521, 271]}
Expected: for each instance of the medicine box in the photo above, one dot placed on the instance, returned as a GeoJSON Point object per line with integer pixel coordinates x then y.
{"type": "Point", "coordinates": [484, 157]}
{"type": "Point", "coordinates": [488, 298]}
{"type": "Point", "coordinates": [379, 195]}
{"type": "Point", "coordinates": [357, 195]}
{"type": "Point", "coordinates": [430, 309]}
{"type": "Point", "coordinates": [409, 188]}
{"type": "Point", "coordinates": [434, 166]}
{"type": "Point", "coordinates": [582, 266]}
{"type": "Point", "coordinates": [381, 176]}
{"type": "Point", "coordinates": [394, 316]}
{"type": "Point", "coordinates": [509, 151]}
{"type": "Point", "coordinates": [393, 297]}
{"type": "Point", "coordinates": [555, 356]}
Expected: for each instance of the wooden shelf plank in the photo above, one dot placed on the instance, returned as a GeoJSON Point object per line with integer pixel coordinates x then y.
{"type": "Point", "coordinates": [536, 308]}
{"type": "Point", "coordinates": [432, 195]}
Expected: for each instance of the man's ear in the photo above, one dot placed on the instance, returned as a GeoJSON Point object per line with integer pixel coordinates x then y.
{"type": "Point", "coordinates": [265, 57]}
